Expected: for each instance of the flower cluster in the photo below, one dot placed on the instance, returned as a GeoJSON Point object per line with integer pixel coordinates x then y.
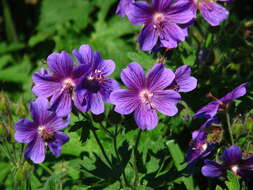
{"type": "Point", "coordinates": [86, 85]}
{"type": "Point", "coordinates": [166, 22]}
{"type": "Point", "coordinates": [201, 146]}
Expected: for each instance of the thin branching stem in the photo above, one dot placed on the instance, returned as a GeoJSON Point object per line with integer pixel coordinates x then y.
{"type": "Point", "coordinates": [136, 177]}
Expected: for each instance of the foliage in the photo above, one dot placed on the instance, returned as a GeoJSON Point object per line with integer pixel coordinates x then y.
{"type": "Point", "coordinates": [220, 58]}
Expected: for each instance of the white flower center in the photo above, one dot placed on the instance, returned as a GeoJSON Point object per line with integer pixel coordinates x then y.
{"type": "Point", "coordinates": [96, 75]}
{"type": "Point", "coordinates": [158, 17]}
{"type": "Point", "coordinates": [204, 147]}
{"type": "Point", "coordinates": [235, 169]}
{"type": "Point", "coordinates": [41, 129]}
{"type": "Point", "coordinates": [146, 97]}
{"type": "Point", "coordinates": [68, 83]}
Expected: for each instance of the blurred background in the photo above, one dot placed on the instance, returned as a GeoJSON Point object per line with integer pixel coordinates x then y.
{"type": "Point", "coordinates": [221, 58]}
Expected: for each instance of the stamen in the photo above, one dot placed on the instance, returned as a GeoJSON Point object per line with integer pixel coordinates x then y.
{"type": "Point", "coordinates": [68, 83]}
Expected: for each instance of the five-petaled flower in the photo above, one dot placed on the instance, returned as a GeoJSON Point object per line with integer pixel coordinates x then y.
{"type": "Point", "coordinates": [59, 85]}
{"type": "Point", "coordinates": [165, 22]}
{"type": "Point", "coordinates": [183, 81]}
{"type": "Point", "coordinates": [232, 160]}
{"type": "Point", "coordinates": [211, 109]}
{"type": "Point", "coordinates": [212, 12]}
{"type": "Point", "coordinates": [146, 95]}
{"type": "Point", "coordinates": [41, 132]}
{"type": "Point", "coordinates": [94, 87]}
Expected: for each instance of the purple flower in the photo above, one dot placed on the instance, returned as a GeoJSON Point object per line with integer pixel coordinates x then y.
{"type": "Point", "coordinates": [94, 87]}
{"type": "Point", "coordinates": [232, 160]}
{"type": "Point", "coordinates": [212, 12]}
{"type": "Point", "coordinates": [123, 7]}
{"type": "Point", "coordinates": [183, 81]}
{"type": "Point", "coordinates": [200, 146]}
{"type": "Point", "coordinates": [211, 109]}
{"type": "Point", "coordinates": [42, 131]}
{"type": "Point", "coordinates": [163, 22]}
{"type": "Point", "coordinates": [59, 85]}
{"type": "Point", "coordinates": [146, 95]}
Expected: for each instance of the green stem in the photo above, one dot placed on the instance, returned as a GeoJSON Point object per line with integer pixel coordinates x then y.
{"type": "Point", "coordinates": [229, 128]}
{"type": "Point", "coordinates": [9, 24]}
{"type": "Point", "coordinates": [101, 146]}
{"type": "Point", "coordinates": [109, 133]}
{"type": "Point", "coordinates": [136, 178]}
{"type": "Point", "coordinates": [46, 168]}
{"type": "Point", "coordinates": [117, 153]}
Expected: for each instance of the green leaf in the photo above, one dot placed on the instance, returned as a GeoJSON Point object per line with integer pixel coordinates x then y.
{"type": "Point", "coordinates": [178, 158]}
{"type": "Point", "coordinates": [232, 181]}
{"type": "Point", "coordinates": [218, 187]}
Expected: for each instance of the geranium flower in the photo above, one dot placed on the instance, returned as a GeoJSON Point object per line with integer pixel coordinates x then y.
{"type": "Point", "coordinates": [232, 160]}
{"type": "Point", "coordinates": [41, 132]}
{"type": "Point", "coordinates": [183, 81]}
{"type": "Point", "coordinates": [211, 109]}
{"type": "Point", "coordinates": [212, 12]}
{"type": "Point", "coordinates": [146, 95]}
{"type": "Point", "coordinates": [59, 84]}
{"type": "Point", "coordinates": [94, 87]}
{"type": "Point", "coordinates": [163, 22]}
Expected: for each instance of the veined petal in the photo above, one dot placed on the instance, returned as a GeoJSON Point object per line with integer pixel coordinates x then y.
{"type": "Point", "coordinates": [81, 100]}
{"type": "Point", "coordinates": [45, 86]}
{"type": "Point", "coordinates": [62, 103]}
{"type": "Point", "coordinates": [145, 117]}
{"type": "Point", "coordinates": [232, 155]}
{"type": "Point", "coordinates": [106, 67]}
{"type": "Point", "coordinates": [36, 150]}
{"type": "Point", "coordinates": [61, 64]}
{"type": "Point", "coordinates": [96, 103]}
{"type": "Point", "coordinates": [140, 12]}
{"type": "Point", "coordinates": [55, 145]}
{"type": "Point", "coordinates": [133, 76]}
{"type": "Point", "coordinates": [107, 88]}
{"type": "Point", "coordinates": [126, 101]}
{"type": "Point", "coordinates": [25, 131]}
{"type": "Point", "coordinates": [123, 7]}
{"type": "Point", "coordinates": [213, 13]}
{"type": "Point", "coordinates": [159, 77]}
{"type": "Point", "coordinates": [212, 169]}
{"type": "Point", "coordinates": [148, 37]}
{"type": "Point", "coordinates": [57, 123]}
{"type": "Point", "coordinates": [165, 101]}
{"type": "Point", "coordinates": [208, 111]}
{"type": "Point", "coordinates": [39, 110]}
{"type": "Point", "coordinates": [161, 5]}
{"type": "Point", "coordinates": [236, 93]}
{"type": "Point", "coordinates": [173, 31]}
{"type": "Point", "coordinates": [180, 16]}
{"type": "Point", "coordinates": [184, 80]}
{"type": "Point", "coordinates": [84, 55]}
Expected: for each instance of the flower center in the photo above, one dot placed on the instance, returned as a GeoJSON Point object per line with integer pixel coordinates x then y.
{"type": "Point", "coordinates": [96, 75]}
{"type": "Point", "coordinates": [146, 97]}
{"type": "Point", "coordinates": [68, 83]}
{"type": "Point", "coordinates": [235, 169]}
{"type": "Point", "coordinates": [204, 147]}
{"type": "Point", "coordinates": [45, 134]}
{"type": "Point", "coordinates": [158, 17]}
